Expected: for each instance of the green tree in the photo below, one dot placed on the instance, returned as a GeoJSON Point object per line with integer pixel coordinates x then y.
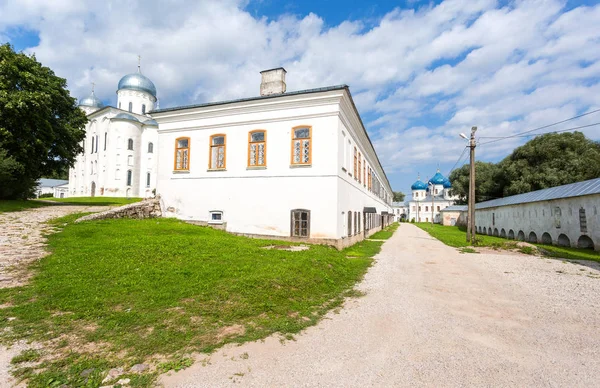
{"type": "Point", "coordinates": [546, 161]}
{"type": "Point", "coordinates": [487, 183]}
{"type": "Point", "coordinates": [40, 124]}
{"type": "Point", "coordinates": [398, 196]}
{"type": "Point", "coordinates": [550, 160]}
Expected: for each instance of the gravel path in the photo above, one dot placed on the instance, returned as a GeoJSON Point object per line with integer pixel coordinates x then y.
{"type": "Point", "coordinates": [434, 317]}
{"type": "Point", "coordinates": [22, 238]}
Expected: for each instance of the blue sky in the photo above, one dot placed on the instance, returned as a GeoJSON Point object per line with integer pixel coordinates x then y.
{"type": "Point", "coordinates": [421, 72]}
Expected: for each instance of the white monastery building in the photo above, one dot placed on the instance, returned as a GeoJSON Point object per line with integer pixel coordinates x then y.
{"type": "Point", "coordinates": [119, 158]}
{"type": "Point", "coordinates": [429, 199]}
{"type": "Point", "coordinates": [296, 165]}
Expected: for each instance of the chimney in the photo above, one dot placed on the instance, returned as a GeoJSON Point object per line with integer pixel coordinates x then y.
{"type": "Point", "coordinates": [273, 81]}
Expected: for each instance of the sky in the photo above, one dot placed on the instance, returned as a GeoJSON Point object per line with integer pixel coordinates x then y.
{"type": "Point", "coordinates": [420, 72]}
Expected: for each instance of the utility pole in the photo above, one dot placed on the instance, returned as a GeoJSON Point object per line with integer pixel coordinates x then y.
{"type": "Point", "coordinates": [471, 209]}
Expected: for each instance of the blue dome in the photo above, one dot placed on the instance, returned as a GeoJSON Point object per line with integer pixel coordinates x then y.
{"type": "Point", "coordinates": [437, 179]}
{"type": "Point", "coordinates": [137, 81]}
{"type": "Point", "coordinates": [91, 101]}
{"type": "Point", "coordinates": [151, 122]}
{"type": "Point", "coordinates": [419, 185]}
{"type": "Point", "coordinates": [447, 184]}
{"type": "Point", "coordinates": [125, 116]}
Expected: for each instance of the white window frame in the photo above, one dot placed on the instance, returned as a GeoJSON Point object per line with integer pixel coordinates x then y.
{"type": "Point", "coordinates": [215, 214]}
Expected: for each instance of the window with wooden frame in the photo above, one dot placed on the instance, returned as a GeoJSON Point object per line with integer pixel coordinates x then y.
{"type": "Point", "coordinates": [257, 148]}
{"type": "Point", "coordinates": [349, 223]}
{"type": "Point", "coordinates": [355, 161]}
{"type": "Point", "coordinates": [365, 173]}
{"type": "Point", "coordinates": [359, 168]}
{"type": "Point", "coordinates": [217, 159]}
{"type": "Point", "coordinates": [182, 154]}
{"type": "Point", "coordinates": [370, 179]}
{"type": "Point", "coordinates": [301, 145]}
{"type": "Point", "coordinates": [300, 223]}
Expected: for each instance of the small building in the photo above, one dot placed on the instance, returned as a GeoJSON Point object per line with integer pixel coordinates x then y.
{"type": "Point", "coordinates": [400, 211]}
{"type": "Point", "coordinates": [290, 165]}
{"type": "Point", "coordinates": [454, 215]}
{"type": "Point", "coordinates": [47, 186]}
{"type": "Point", "coordinates": [564, 215]}
{"type": "Point", "coordinates": [61, 191]}
{"type": "Point", "coordinates": [430, 198]}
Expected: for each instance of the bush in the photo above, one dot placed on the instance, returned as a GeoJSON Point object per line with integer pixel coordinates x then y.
{"type": "Point", "coordinates": [46, 195]}
{"type": "Point", "coordinates": [412, 220]}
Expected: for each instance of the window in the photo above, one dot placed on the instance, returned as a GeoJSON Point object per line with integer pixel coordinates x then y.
{"type": "Point", "coordinates": [364, 173]}
{"type": "Point", "coordinates": [130, 160]}
{"type": "Point", "coordinates": [301, 145]}
{"type": "Point", "coordinates": [355, 161]}
{"type": "Point", "coordinates": [105, 139]}
{"type": "Point", "coordinates": [217, 152]}
{"type": "Point", "coordinates": [426, 208]}
{"type": "Point", "coordinates": [150, 148]}
{"type": "Point", "coordinates": [300, 223]}
{"type": "Point", "coordinates": [257, 148]}
{"type": "Point", "coordinates": [119, 105]}
{"type": "Point", "coordinates": [92, 150]}
{"type": "Point", "coordinates": [143, 109]}
{"type": "Point", "coordinates": [438, 208]}
{"type": "Point", "coordinates": [130, 107]}
{"type": "Point", "coordinates": [182, 153]}
{"type": "Point", "coordinates": [345, 151]}
{"type": "Point", "coordinates": [216, 217]}
{"type": "Point", "coordinates": [130, 144]}
{"type": "Point", "coordinates": [129, 176]}
{"type": "Point", "coordinates": [355, 223]}
{"type": "Point", "coordinates": [582, 221]}
{"type": "Point", "coordinates": [359, 168]}
{"type": "Point", "coordinates": [92, 166]}
{"type": "Point", "coordinates": [349, 223]}
{"type": "Point", "coordinates": [117, 174]}
{"type": "Point", "coordinates": [359, 222]}
{"type": "Point", "coordinates": [96, 143]}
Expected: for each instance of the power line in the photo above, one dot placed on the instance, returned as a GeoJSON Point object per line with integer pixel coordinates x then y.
{"type": "Point", "coordinates": [536, 134]}
{"type": "Point", "coordinates": [543, 127]}
{"type": "Point", "coordinates": [457, 161]}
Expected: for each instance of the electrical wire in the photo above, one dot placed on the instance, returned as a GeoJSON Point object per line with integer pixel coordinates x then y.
{"type": "Point", "coordinates": [457, 161]}
{"type": "Point", "coordinates": [543, 127]}
{"type": "Point", "coordinates": [535, 134]}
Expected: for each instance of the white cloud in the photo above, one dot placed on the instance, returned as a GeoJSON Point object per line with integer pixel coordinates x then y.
{"type": "Point", "coordinates": [419, 76]}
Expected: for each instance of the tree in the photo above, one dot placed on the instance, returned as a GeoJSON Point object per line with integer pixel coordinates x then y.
{"type": "Point", "coordinates": [41, 126]}
{"type": "Point", "coordinates": [546, 161]}
{"type": "Point", "coordinates": [398, 196]}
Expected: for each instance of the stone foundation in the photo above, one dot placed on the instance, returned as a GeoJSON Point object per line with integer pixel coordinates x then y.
{"type": "Point", "coordinates": [148, 208]}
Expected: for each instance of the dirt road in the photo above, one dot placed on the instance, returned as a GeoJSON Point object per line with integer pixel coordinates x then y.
{"type": "Point", "coordinates": [434, 317]}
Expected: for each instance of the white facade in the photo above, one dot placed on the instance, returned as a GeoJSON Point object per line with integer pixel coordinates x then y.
{"type": "Point", "coordinates": [119, 157]}
{"type": "Point", "coordinates": [61, 191]}
{"type": "Point", "coordinates": [318, 179]}
{"type": "Point", "coordinates": [49, 186]}
{"type": "Point", "coordinates": [429, 199]}
{"type": "Point", "coordinates": [400, 211]}
{"type": "Point", "coordinates": [569, 221]}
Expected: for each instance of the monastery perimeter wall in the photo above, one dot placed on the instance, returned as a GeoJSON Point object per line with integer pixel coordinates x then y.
{"type": "Point", "coordinates": [148, 208]}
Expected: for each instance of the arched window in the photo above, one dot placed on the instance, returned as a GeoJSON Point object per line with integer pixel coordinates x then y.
{"type": "Point", "coordinates": [147, 179]}
{"type": "Point", "coordinates": [143, 109]}
{"type": "Point", "coordinates": [182, 153]}
{"type": "Point", "coordinates": [105, 139]}
{"type": "Point", "coordinates": [129, 177]}
{"type": "Point", "coordinates": [130, 144]}
{"type": "Point", "coordinates": [92, 150]}
{"type": "Point", "coordinates": [349, 223]}
{"type": "Point", "coordinates": [131, 107]}
{"type": "Point", "coordinates": [150, 148]}
{"type": "Point", "coordinates": [257, 148]}
{"type": "Point", "coordinates": [217, 154]}
{"type": "Point", "coordinates": [119, 105]}
{"type": "Point", "coordinates": [301, 145]}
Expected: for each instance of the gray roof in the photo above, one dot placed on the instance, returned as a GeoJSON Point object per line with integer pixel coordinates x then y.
{"type": "Point", "coordinates": [455, 208]}
{"type": "Point", "coordinates": [566, 191]}
{"type": "Point", "coordinates": [125, 116]}
{"type": "Point", "coordinates": [399, 204]}
{"type": "Point", "coordinates": [44, 182]}
{"type": "Point", "coordinates": [317, 90]}
{"type": "Point", "coordinates": [151, 122]}
{"type": "Point", "coordinates": [137, 81]}
{"type": "Point", "coordinates": [91, 101]}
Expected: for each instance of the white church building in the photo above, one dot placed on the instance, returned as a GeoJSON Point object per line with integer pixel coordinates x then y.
{"type": "Point", "coordinates": [430, 198]}
{"type": "Point", "coordinates": [119, 157]}
{"type": "Point", "coordinates": [296, 165]}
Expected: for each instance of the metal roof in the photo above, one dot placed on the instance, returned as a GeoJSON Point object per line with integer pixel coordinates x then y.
{"type": "Point", "coordinates": [455, 208]}
{"type": "Point", "coordinates": [578, 189]}
{"type": "Point", "coordinates": [45, 182]}
{"type": "Point", "coordinates": [369, 209]}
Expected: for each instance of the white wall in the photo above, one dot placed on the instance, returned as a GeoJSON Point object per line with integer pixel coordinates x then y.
{"type": "Point", "coordinates": [541, 217]}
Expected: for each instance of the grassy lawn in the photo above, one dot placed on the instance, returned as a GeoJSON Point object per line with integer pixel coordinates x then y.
{"type": "Point", "coordinates": [95, 201]}
{"type": "Point", "coordinates": [385, 233]}
{"type": "Point", "coordinates": [18, 205]}
{"type": "Point", "coordinates": [455, 236]}
{"type": "Point", "coordinates": [114, 293]}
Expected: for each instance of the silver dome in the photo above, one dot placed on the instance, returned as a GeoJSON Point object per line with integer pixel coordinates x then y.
{"type": "Point", "coordinates": [125, 116]}
{"type": "Point", "coordinates": [92, 101]}
{"type": "Point", "coordinates": [137, 81]}
{"type": "Point", "coordinates": [151, 122]}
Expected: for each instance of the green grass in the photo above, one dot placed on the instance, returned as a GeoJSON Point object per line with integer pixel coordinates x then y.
{"type": "Point", "coordinates": [455, 236]}
{"type": "Point", "coordinates": [118, 292]}
{"type": "Point", "coordinates": [18, 205]}
{"type": "Point", "coordinates": [95, 201]}
{"type": "Point", "coordinates": [385, 233]}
